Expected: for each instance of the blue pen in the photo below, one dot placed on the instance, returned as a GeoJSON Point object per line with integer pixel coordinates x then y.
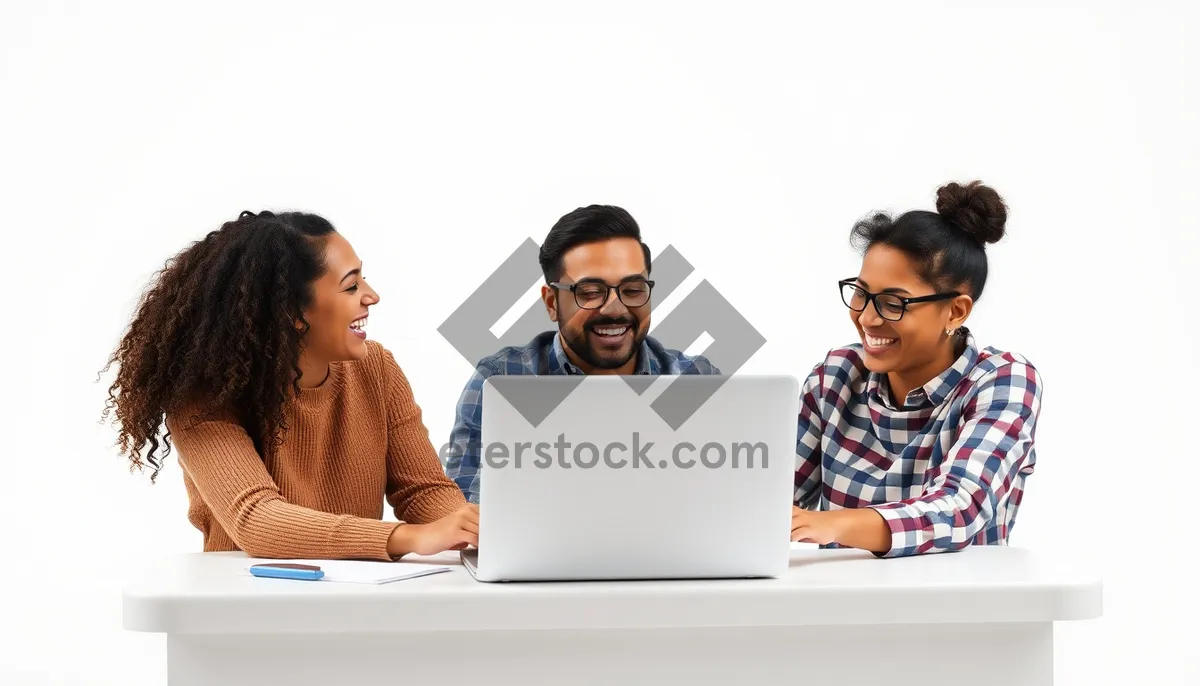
{"type": "Point", "coordinates": [287, 570]}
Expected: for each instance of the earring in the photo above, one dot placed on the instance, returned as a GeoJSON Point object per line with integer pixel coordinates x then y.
{"type": "Point", "coordinates": [949, 332]}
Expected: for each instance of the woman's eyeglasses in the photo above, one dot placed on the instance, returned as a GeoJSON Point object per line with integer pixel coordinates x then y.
{"type": "Point", "coordinates": [889, 305]}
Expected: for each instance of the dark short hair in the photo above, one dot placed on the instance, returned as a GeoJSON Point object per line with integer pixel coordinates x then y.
{"type": "Point", "coordinates": [589, 224]}
{"type": "Point", "coordinates": [947, 246]}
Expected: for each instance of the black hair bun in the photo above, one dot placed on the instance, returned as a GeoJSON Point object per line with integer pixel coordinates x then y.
{"type": "Point", "coordinates": [975, 208]}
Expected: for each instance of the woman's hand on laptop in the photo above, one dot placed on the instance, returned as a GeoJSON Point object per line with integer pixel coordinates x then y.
{"type": "Point", "coordinates": [814, 527]}
{"type": "Point", "coordinates": [455, 531]}
{"type": "Point", "coordinates": [861, 528]}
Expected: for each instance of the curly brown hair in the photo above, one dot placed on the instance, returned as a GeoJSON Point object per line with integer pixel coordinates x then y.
{"type": "Point", "coordinates": [219, 333]}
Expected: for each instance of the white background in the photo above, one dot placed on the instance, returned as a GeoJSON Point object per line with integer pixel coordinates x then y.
{"type": "Point", "coordinates": [750, 139]}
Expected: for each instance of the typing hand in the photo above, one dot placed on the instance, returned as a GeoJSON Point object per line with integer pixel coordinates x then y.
{"type": "Point", "coordinates": [861, 528]}
{"type": "Point", "coordinates": [821, 528]}
{"type": "Point", "coordinates": [455, 531]}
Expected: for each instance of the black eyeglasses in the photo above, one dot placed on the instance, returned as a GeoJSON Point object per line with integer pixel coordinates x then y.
{"type": "Point", "coordinates": [889, 305]}
{"type": "Point", "coordinates": [591, 294]}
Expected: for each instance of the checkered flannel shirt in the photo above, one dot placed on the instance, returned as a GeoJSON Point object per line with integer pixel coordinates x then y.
{"type": "Point", "coordinates": [945, 470]}
{"type": "Point", "coordinates": [543, 355]}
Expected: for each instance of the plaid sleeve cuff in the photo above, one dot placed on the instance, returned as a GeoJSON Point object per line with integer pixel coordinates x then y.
{"type": "Point", "coordinates": [914, 532]}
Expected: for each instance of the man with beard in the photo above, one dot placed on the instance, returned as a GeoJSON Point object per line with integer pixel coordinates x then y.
{"type": "Point", "coordinates": [597, 290]}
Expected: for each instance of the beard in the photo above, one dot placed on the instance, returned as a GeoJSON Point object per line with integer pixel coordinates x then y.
{"type": "Point", "coordinates": [606, 352]}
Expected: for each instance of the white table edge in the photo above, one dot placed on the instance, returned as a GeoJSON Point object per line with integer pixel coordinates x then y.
{"type": "Point", "coordinates": [157, 613]}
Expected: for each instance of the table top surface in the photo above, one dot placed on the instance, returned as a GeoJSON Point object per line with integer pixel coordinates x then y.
{"type": "Point", "coordinates": [212, 593]}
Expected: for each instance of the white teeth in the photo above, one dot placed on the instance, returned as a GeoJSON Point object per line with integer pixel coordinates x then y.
{"type": "Point", "coordinates": [359, 325]}
{"type": "Point", "coordinates": [612, 332]}
{"type": "Point", "coordinates": [879, 342]}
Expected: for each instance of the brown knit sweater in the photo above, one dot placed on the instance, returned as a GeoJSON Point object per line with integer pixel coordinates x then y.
{"type": "Point", "coordinates": [352, 442]}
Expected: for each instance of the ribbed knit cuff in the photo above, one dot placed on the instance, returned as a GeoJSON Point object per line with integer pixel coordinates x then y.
{"type": "Point", "coordinates": [435, 503]}
{"type": "Point", "coordinates": [363, 539]}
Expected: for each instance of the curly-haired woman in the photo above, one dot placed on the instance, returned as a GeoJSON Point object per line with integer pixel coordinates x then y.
{"type": "Point", "coordinates": [291, 427]}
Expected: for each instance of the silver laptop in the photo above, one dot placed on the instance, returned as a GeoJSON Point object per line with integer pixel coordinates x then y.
{"type": "Point", "coordinates": [641, 477]}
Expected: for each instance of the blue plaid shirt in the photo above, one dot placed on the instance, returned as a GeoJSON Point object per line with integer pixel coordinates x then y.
{"type": "Point", "coordinates": [543, 354]}
{"type": "Point", "coordinates": [945, 466]}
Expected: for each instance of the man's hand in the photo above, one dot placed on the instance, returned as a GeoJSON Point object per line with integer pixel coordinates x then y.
{"type": "Point", "coordinates": [455, 531]}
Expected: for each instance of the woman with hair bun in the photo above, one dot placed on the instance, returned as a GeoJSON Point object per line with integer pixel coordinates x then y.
{"type": "Point", "coordinates": [291, 427]}
{"type": "Point", "coordinates": [915, 439]}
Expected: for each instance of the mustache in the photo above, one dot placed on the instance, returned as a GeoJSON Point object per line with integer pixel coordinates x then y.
{"type": "Point", "coordinates": [611, 321]}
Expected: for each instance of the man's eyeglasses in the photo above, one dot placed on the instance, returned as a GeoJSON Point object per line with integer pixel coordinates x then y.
{"type": "Point", "coordinates": [889, 305]}
{"type": "Point", "coordinates": [591, 294]}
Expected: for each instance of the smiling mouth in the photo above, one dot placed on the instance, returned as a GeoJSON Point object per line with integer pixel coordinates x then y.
{"type": "Point", "coordinates": [359, 327]}
{"type": "Point", "coordinates": [877, 344]}
{"type": "Point", "coordinates": [610, 333]}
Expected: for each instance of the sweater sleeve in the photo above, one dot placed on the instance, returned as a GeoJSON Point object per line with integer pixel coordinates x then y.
{"type": "Point", "coordinates": [229, 475]}
{"type": "Point", "coordinates": [418, 489]}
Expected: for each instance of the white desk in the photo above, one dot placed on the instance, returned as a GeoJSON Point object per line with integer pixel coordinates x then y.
{"type": "Point", "coordinates": [983, 616]}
